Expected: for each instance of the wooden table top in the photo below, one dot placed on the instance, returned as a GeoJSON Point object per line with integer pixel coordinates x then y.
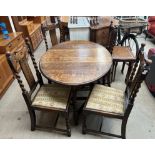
{"type": "Point", "coordinates": [75, 62]}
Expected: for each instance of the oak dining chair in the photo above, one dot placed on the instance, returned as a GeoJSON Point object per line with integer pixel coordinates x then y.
{"type": "Point", "coordinates": [116, 103]}
{"type": "Point", "coordinates": [120, 53]}
{"type": "Point", "coordinates": [103, 37]}
{"type": "Point", "coordinates": [49, 97]}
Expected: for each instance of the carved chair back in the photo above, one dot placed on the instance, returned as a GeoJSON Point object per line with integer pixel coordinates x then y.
{"type": "Point", "coordinates": [102, 36]}
{"type": "Point", "coordinates": [138, 74]}
{"type": "Point", "coordinates": [62, 29]}
{"type": "Point", "coordinates": [21, 57]}
{"type": "Point", "coordinates": [52, 31]}
{"type": "Point", "coordinates": [112, 38]}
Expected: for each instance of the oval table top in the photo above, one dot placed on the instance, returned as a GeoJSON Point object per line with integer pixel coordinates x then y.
{"type": "Point", "coordinates": [75, 62]}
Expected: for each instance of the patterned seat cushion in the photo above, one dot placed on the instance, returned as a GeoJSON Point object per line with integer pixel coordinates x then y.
{"type": "Point", "coordinates": [52, 96]}
{"type": "Point", "coordinates": [106, 99]}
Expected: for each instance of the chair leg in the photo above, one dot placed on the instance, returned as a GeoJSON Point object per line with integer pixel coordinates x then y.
{"type": "Point", "coordinates": [123, 129]}
{"type": "Point", "coordinates": [108, 78]}
{"type": "Point", "coordinates": [100, 81]}
{"type": "Point", "coordinates": [75, 113]}
{"type": "Point", "coordinates": [111, 74]}
{"type": "Point", "coordinates": [122, 71]}
{"type": "Point", "coordinates": [33, 119]}
{"type": "Point", "coordinates": [68, 125]}
{"type": "Point", "coordinates": [115, 66]}
{"type": "Point", "coordinates": [84, 124]}
{"type": "Point", "coordinates": [103, 81]}
{"type": "Point", "coordinates": [49, 82]}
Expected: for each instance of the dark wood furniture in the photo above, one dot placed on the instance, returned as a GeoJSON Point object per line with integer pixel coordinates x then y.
{"type": "Point", "coordinates": [6, 76]}
{"type": "Point", "coordinates": [37, 19]}
{"type": "Point", "coordinates": [48, 97]}
{"type": "Point", "coordinates": [129, 28]}
{"type": "Point", "coordinates": [99, 33]}
{"type": "Point", "coordinates": [120, 53]}
{"type": "Point", "coordinates": [32, 31]}
{"type": "Point", "coordinates": [63, 27]}
{"type": "Point", "coordinates": [100, 28]}
{"type": "Point", "coordinates": [75, 63]}
{"type": "Point", "coordinates": [115, 103]}
{"type": "Point", "coordinates": [52, 31]}
{"type": "Point", "coordinates": [31, 28]}
{"type": "Point", "coordinates": [15, 42]}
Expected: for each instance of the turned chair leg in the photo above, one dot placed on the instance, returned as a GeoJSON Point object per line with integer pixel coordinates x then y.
{"type": "Point", "coordinates": [122, 71]}
{"type": "Point", "coordinates": [84, 124]}
{"type": "Point", "coordinates": [114, 72]}
{"type": "Point", "coordinates": [68, 125]}
{"type": "Point", "coordinates": [109, 78]}
{"type": "Point", "coordinates": [49, 81]}
{"type": "Point", "coordinates": [33, 119]}
{"type": "Point", "coordinates": [102, 81]}
{"type": "Point", "coordinates": [123, 129]}
{"type": "Point", "coordinates": [75, 111]}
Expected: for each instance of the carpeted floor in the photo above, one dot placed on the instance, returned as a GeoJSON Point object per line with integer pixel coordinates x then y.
{"type": "Point", "coordinates": [15, 122]}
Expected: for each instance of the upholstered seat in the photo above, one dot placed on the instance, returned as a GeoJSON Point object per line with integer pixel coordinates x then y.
{"type": "Point", "coordinates": [114, 103]}
{"type": "Point", "coordinates": [49, 97]}
{"type": "Point", "coordinates": [106, 99]}
{"type": "Point", "coordinates": [122, 53]}
{"type": "Point", "coordinates": [52, 96]}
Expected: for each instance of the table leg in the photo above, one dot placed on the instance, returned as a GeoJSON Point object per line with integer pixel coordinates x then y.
{"type": "Point", "coordinates": [75, 112]}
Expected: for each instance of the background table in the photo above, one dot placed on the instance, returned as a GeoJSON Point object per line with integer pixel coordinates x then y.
{"type": "Point", "coordinates": [75, 63]}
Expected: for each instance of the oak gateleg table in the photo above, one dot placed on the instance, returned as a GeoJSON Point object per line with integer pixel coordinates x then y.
{"type": "Point", "coordinates": [75, 63]}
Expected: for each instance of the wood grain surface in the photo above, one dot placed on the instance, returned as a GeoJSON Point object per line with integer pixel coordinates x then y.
{"type": "Point", "coordinates": [75, 62]}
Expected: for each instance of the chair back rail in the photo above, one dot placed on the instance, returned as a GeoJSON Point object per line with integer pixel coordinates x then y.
{"type": "Point", "coordinates": [44, 29]}
{"type": "Point", "coordinates": [38, 74]}
{"type": "Point", "coordinates": [62, 29]}
{"type": "Point", "coordinates": [15, 72]}
{"type": "Point", "coordinates": [137, 75]}
{"type": "Point", "coordinates": [112, 38]}
{"type": "Point", "coordinates": [52, 31]}
{"type": "Point", "coordinates": [21, 57]}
